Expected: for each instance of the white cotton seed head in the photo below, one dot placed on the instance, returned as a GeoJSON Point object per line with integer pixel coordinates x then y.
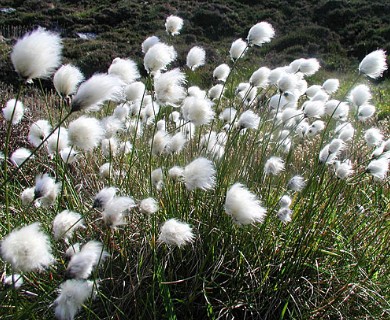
{"type": "Point", "coordinates": [287, 82]}
{"type": "Point", "coordinates": [13, 111]}
{"type": "Point", "coordinates": [326, 156]}
{"type": "Point", "coordinates": [237, 49]}
{"type": "Point", "coordinates": [296, 183]}
{"type": "Point", "coordinates": [176, 233]}
{"type": "Point", "coordinates": [275, 75]}
{"type": "Point", "coordinates": [274, 166]}
{"type": "Point", "coordinates": [65, 223]}
{"type": "Point", "coordinates": [313, 90]}
{"type": "Point", "coordinates": [197, 110]}
{"type": "Point", "coordinates": [243, 206]}
{"type": "Point", "coordinates": [68, 155]}
{"type": "Point", "coordinates": [148, 43]}
{"type": "Point", "coordinates": [260, 33]}
{"type": "Point", "coordinates": [73, 294]}
{"type": "Point", "coordinates": [366, 111]}
{"type": "Point", "coordinates": [259, 78]}
{"type": "Point", "coordinates": [374, 64]}
{"type": "Point", "coordinates": [116, 209]}
{"type": "Point", "coordinates": [125, 69]}
{"type": "Point", "coordinates": [67, 79]}
{"type": "Point", "coordinates": [284, 214]}
{"type": "Point", "coordinates": [160, 142]}
{"type": "Point", "coordinates": [248, 120]}
{"type": "Point", "coordinates": [148, 206]}
{"type": "Point", "coordinates": [103, 197]}
{"type": "Point", "coordinates": [27, 196]}
{"type": "Point", "coordinates": [58, 141]}
{"type": "Point", "coordinates": [85, 133]}
{"type": "Point", "coordinates": [331, 86]}
{"type": "Point", "coordinates": [196, 57]}
{"type": "Point", "coordinates": [309, 66]}
{"type": "Point", "coordinates": [156, 177]}
{"type": "Point", "coordinates": [37, 54]}
{"type": "Point", "coordinates": [373, 137]}
{"type": "Point", "coordinates": [378, 168]}
{"type": "Point", "coordinates": [285, 201]}
{"type": "Point", "coordinates": [27, 249]}
{"type": "Point", "coordinates": [177, 142]}
{"type": "Point", "coordinates": [134, 91]}
{"type": "Point", "coordinates": [313, 109]}
{"type": "Point", "coordinates": [200, 173]}
{"type": "Point", "coordinates": [83, 262]}
{"type": "Point", "coordinates": [158, 57]}
{"type": "Point", "coordinates": [169, 87]}
{"type": "Point", "coordinates": [336, 145]}
{"type": "Point", "coordinates": [195, 91]}
{"type": "Point", "coordinates": [106, 171]}
{"type": "Point", "coordinates": [39, 130]}
{"type": "Point", "coordinates": [111, 125]}
{"type": "Point", "coordinates": [109, 147]}
{"type": "Point", "coordinates": [46, 190]}
{"type": "Point", "coordinates": [221, 72]}
{"type": "Point", "coordinates": [215, 92]}
{"type": "Point", "coordinates": [277, 102]}
{"type": "Point", "coordinates": [173, 25]}
{"type": "Point", "coordinates": [72, 250]}
{"type": "Point", "coordinates": [176, 173]}
{"type": "Point", "coordinates": [360, 95]}
{"type": "Point", "coordinates": [343, 170]}
{"type": "Point", "coordinates": [96, 90]}
{"type": "Point", "coordinates": [345, 131]}
{"type": "Point", "coordinates": [228, 115]}
{"type": "Point", "coordinates": [20, 155]}
{"type": "Point", "coordinates": [125, 147]}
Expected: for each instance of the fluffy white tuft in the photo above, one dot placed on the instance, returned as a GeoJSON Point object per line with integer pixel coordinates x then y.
{"type": "Point", "coordinates": [85, 133]}
{"type": "Point", "coordinates": [158, 57]}
{"type": "Point", "coordinates": [65, 223]}
{"type": "Point", "coordinates": [200, 173]}
{"type": "Point", "coordinates": [197, 110]}
{"type": "Point", "coordinates": [173, 25]}
{"type": "Point", "coordinates": [96, 90]}
{"type": "Point", "coordinates": [243, 206]}
{"type": "Point", "coordinates": [374, 64]}
{"type": "Point", "coordinates": [83, 262]}
{"type": "Point", "coordinates": [73, 294]}
{"type": "Point", "coordinates": [66, 79]}
{"type": "Point", "coordinates": [237, 49]}
{"type": "Point", "coordinates": [13, 111]}
{"type": "Point", "coordinates": [148, 43]}
{"type": "Point", "coordinates": [149, 206]}
{"type": "Point", "coordinates": [37, 54]}
{"type": "Point", "coordinates": [274, 166]}
{"type": "Point", "coordinates": [196, 57]}
{"type": "Point", "coordinates": [169, 87]}
{"type": "Point", "coordinates": [27, 249]}
{"type": "Point", "coordinates": [221, 72]}
{"type": "Point", "coordinates": [20, 155]}
{"type": "Point", "coordinates": [176, 233]}
{"type": "Point", "coordinates": [103, 197]}
{"type": "Point", "coordinates": [260, 33]}
{"type": "Point", "coordinates": [39, 130]}
{"type": "Point", "coordinates": [125, 69]}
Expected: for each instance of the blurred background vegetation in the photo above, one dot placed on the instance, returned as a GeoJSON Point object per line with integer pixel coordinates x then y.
{"type": "Point", "coordinates": [338, 32]}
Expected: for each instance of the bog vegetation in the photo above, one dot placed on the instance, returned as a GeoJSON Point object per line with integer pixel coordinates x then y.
{"type": "Point", "coordinates": [145, 194]}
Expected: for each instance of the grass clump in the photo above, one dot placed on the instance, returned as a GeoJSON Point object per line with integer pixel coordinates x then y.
{"type": "Point", "coordinates": [154, 200]}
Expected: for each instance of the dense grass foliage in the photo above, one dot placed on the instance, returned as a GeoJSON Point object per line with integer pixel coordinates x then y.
{"type": "Point", "coordinates": [253, 243]}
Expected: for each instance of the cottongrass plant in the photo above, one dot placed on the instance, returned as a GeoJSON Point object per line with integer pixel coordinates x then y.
{"type": "Point", "coordinates": [261, 196]}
